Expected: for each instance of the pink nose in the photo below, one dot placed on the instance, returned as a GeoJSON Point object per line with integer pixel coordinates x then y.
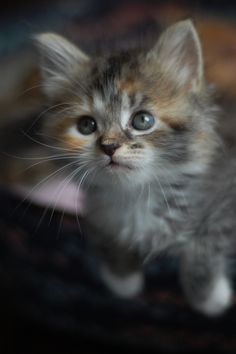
{"type": "Point", "coordinates": [110, 149]}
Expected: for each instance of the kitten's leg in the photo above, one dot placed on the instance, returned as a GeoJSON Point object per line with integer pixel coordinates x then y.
{"type": "Point", "coordinates": [204, 280]}
{"type": "Point", "coordinates": [121, 270]}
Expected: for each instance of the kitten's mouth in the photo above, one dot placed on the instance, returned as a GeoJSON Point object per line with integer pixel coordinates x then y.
{"type": "Point", "coordinates": [116, 165]}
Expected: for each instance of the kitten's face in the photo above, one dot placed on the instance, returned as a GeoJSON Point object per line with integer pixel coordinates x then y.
{"type": "Point", "coordinates": [132, 116]}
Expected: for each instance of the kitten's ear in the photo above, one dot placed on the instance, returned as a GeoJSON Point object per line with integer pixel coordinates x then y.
{"type": "Point", "coordinates": [60, 61]}
{"type": "Point", "coordinates": [180, 55]}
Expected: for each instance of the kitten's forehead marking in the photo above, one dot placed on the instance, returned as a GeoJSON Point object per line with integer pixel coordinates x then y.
{"type": "Point", "coordinates": [116, 100]}
{"type": "Point", "coordinates": [113, 112]}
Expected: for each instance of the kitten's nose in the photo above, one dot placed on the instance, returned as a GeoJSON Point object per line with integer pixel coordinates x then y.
{"type": "Point", "coordinates": [110, 149]}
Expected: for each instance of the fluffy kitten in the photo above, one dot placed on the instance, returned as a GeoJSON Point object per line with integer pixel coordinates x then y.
{"type": "Point", "coordinates": [138, 128]}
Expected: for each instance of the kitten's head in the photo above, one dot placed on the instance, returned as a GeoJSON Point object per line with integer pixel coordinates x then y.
{"type": "Point", "coordinates": [137, 115]}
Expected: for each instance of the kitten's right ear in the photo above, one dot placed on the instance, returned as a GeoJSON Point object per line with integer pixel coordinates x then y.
{"type": "Point", "coordinates": [179, 54]}
{"type": "Point", "coordinates": [60, 61]}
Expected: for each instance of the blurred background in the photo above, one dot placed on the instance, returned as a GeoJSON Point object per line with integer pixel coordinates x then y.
{"type": "Point", "coordinates": [52, 299]}
{"type": "Point", "coordinates": [104, 23]}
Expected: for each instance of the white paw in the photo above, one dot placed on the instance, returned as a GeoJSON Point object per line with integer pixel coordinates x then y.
{"type": "Point", "coordinates": [219, 300]}
{"type": "Point", "coordinates": [124, 286]}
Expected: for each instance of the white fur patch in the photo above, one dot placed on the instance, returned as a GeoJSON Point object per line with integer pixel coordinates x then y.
{"type": "Point", "coordinates": [74, 133]}
{"type": "Point", "coordinates": [98, 103]}
{"type": "Point", "coordinates": [126, 286]}
{"type": "Point", "coordinates": [125, 111]}
{"type": "Point", "coordinates": [219, 299]}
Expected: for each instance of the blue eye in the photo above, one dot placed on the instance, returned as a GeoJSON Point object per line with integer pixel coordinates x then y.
{"type": "Point", "coordinates": [143, 121]}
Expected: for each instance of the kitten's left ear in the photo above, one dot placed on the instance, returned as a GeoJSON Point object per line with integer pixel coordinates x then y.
{"type": "Point", "coordinates": [179, 54]}
{"type": "Point", "coordinates": [60, 61]}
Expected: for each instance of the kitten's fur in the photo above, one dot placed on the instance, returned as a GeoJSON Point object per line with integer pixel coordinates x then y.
{"type": "Point", "coordinates": [155, 196]}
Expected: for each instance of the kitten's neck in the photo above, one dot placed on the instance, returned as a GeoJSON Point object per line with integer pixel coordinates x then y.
{"type": "Point", "coordinates": [161, 188]}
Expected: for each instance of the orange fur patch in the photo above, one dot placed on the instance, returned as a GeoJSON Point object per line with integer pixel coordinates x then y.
{"type": "Point", "coordinates": [66, 139]}
{"type": "Point", "coordinates": [130, 85]}
{"type": "Point", "coordinates": [114, 137]}
{"type": "Point", "coordinates": [74, 143]}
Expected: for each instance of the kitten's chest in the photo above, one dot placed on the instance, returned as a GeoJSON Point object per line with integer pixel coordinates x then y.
{"type": "Point", "coordinates": [154, 226]}
{"type": "Point", "coordinates": [149, 220]}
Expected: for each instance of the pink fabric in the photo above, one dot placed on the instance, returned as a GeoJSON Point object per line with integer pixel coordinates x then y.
{"type": "Point", "coordinates": [54, 194]}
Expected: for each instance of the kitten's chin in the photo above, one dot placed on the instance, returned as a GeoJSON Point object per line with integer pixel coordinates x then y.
{"type": "Point", "coordinates": [117, 166]}
{"type": "Point", "coordinates": [123, 175]}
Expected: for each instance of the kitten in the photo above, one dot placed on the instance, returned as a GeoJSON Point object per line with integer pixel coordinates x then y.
{"type": "Point", "coordinates": [137, 130]}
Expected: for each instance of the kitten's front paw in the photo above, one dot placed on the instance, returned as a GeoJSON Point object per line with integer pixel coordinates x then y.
{"type": "Point", "coordinates": [127, 285]}
{"type": "Point", "coordinates": [219, 299]}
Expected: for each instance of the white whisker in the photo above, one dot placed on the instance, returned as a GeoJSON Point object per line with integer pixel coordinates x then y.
{"type": "Point", "coordinates": [44, 180]}
{"type": "Point", "coordinates": [46, 111]}
{"type": "Point", "coordinates": [43, 144]}
{"type": "Point", "coordinates": [164, 195]}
